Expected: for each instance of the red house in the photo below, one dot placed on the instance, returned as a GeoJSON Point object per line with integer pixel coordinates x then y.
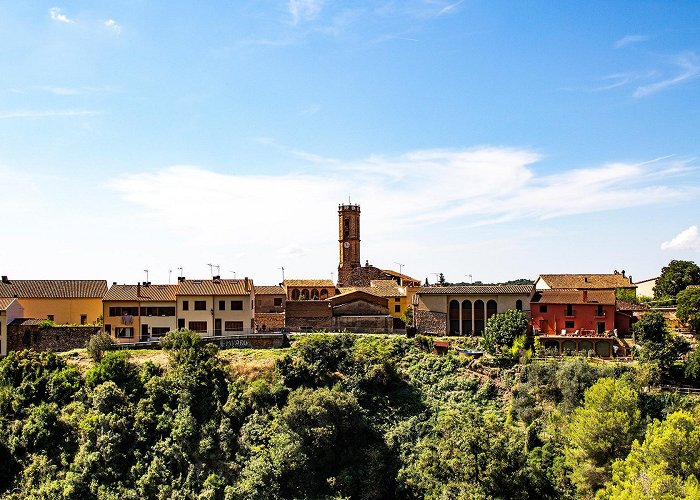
{"type": "Point", "coordinates": [573, 312]}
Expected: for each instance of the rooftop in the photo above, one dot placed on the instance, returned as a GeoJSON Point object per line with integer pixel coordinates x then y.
{"type": "Point", "coordinates": [54, 289]}
{"type": "Point", "coordinates": [215, 287]}
{"type": "Point", "coordinates": [5, 303]}
{"type": "Point", "coordinates": [477, 290]}
{"type": "Point", "coordinates": [310, 283]}
{"type": "Point", "coordinates": [150, 293]}
{"type": "Point", "coordinates": [269, 290]}
{"type": "Point", "coordinates": [568, 296]}
{"type": "Point", "coordinates": [587, 281]}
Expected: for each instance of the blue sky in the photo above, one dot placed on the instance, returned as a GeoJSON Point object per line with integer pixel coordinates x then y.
{"type": "Point", "coordinates": [497, 139]}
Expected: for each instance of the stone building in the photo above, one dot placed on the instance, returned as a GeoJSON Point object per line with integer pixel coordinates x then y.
{"type": "Point", "coordinates": [30, 333]}
{"type": "Point", "coordinates": [9, 310]}
{"type": "Point", "coordinates": [270, 304]}
{"type": "Point", "coordinates": [464, 310]}
{"type": "Point", "coordinates": [308, 289]}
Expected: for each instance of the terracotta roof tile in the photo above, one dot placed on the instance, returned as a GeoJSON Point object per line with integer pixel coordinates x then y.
{"type": "Point", "coordinates": [54, 289]}
{"type": "Point", "coordinates": [567, 296]}
{"type": "Point", "coordinates": [5, 303]}
{"type": "Point", "coordinates": [404, 277]}
{"type": "Point", "coordinates": [477, 290]}
{"type": "Point", "coordinates": [310, 283]}
{"type": "Point", "coordinates": [587, 281]}
{"type": "Point", "coordinates": [150, 293]}
{"type": "Point", "coordinates": [380, 288]}
{"type": "Point", "coordinates": [215, 287]}
{"type": "Point", "coordinates": [269, 290]}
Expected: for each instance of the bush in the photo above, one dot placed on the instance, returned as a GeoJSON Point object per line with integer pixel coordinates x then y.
{"type": "Point", "coordinates": [98, 344]}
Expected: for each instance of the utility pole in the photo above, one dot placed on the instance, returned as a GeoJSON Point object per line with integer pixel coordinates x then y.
{"type": "Point", "coordinates": [234, 274]}
{"type": "Point", "coordinates": [180, 269]}
{"type": "Point", "coordinates": [146, 271]}
{"type": "Point", "coordinates": [282, 268]}
{"type": "Point", "coordinates": [471, 280]}
{"type": "Point", "coordinates": [211, 269]}
{"type": "Point", "coordinates": [170, 273]}
{"type": "Point", "coordinates": [400, 267]}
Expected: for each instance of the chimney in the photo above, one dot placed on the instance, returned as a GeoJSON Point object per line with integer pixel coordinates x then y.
{"type": "Point", "coordinates": [623, 273]}
{"type": "Point", "coordinates": [247, 284]}
{"type": "Point", "coordinates": [138, 289]}
{"type": "Point", "coordinates": [585, 279]}
{"type": "Point", "coordinates": [585, 295]}
{"type": "Point", "coordinates": [217, 279]}
{"type": "Point", "coordinates": [5, 280]}
{"type": "Point", "coordinates": [180, 279]}
{"type": "Point", "coordinates": [114, 283]}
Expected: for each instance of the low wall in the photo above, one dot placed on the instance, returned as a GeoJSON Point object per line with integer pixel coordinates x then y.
{"type": "Point", "coordinates": [55, 338]}
{"type": "Point", "coordinates": [429, 322]}
{"type": "Point", "coordinates": [267, 322]}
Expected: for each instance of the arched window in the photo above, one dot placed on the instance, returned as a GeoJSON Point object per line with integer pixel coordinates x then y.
{"type": "Point", "coordinates": [519, 305]}
{"type": "Point", "coordinates": [295, 294]}
{"type": "Point", "coordinates": [304, 295]}
{"type": "Point", "coordinates": [314, 294]}
{"type": "Point", "coordinates": [467, 317]}
{"type": "Point", "coordinates": [454, 317]}
{"type": "Point", "coordinates": [479, 319]}
{"type": "Point", "coordinates": [491, 308]}
{"type": "Point", "coordinates": [324, 294]}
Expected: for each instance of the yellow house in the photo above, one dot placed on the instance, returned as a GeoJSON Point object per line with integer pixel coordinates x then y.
{"type": "Point", "coordinates": [399, 297]}
{"type": "Point", "coordinates": [134, 313]}
{"type": "Point", "coordinates": [216, 307]}
{"type": "Point", "coordinates": [61, 301]}
{"type": "Point", "coordinates": [9, 310]}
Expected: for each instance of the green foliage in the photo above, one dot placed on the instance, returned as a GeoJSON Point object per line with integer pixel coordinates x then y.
{"type": "Point", "coordinates": [425, 342]}
{"type": "Point", "coordinates": [503, 329]}
{"type": "Point", "coordinates": [626, 294]}
{"type": "Point", "coordinates": [601, 431]}
{"type": "Point", "coordinates": [98, 344]}
{"type": "Point", "coordinates": [665, 465]}
{"type": "Point", "coordinates": [46, 323]}
{"type": "Point", "coordinates": [657, 344]}
{"type": "Point", "coordinates": [688, 311]}
{"type": "Point", "coordinates": [675, 277]}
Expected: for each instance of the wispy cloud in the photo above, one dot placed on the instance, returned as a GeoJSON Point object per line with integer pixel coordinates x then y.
{"type": "Point", "coordinates": [448, 9]}
{"type": "Point", "coordinates": [688, 64]}
{"type": "Point", "coordinates": [479, 186]}
{"type": "Point", "coordinates": [113, 25]}
{"type": "Point", "coordinates": [685, 240]}
{"type": "Point", "coordinates": [629, 40]}
{"type": "Point", "coordinates": [56, 15]}
{"type": "Point", "coordinates": [304, 10]}
{"type": "Point", "coordinates": [47, 113]}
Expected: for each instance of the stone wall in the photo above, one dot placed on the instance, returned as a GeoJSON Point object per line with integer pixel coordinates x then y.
{"type": "Point", "coordinates": [364, 324]}
{"type": "Point", "coordinates": [362, 276]}
{"type": "Point", "coordinates": [266, 303]}
{"type": "Point", "coordinates": [269, 321]}
{"type": "Point", "coordinates": [433, 323]}
{"type": "Point", "coordinates": [308, 314]}
{"type": "Point", "coordinates": [55, 338]}
{"type": "Point", "coordinates": [360, 308]}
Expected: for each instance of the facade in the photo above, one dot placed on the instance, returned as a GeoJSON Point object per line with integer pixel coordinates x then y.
{"type": "Point", "coordinates": [270, 304]}
{"type": "Point", "coordinates": [585, 281]}
{"type": "Point", "coordinates": [399, 297]}
{"type": "Point", "coordinates": [646, 288]}
{"type": "Point", "coordinates": [314, 289]}
{"type": "Point", "coordinates": [464, 310]}
{"type": "Point", "coordinates": [216, 307]}
{"type": "Point", "coordinates": [61, 301]}
{"type": "Point", "coordinates": [9, 310]}
{"type": "Point", "coordinates": [141, 312]}
{"type": "Point", "coordinates": [569, 312]}
{"type": "Point", "coordinates": [360, 311]}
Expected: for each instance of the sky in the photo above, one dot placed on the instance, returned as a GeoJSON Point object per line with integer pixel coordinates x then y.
{"type": "Point", "coordinates": [486, 140]}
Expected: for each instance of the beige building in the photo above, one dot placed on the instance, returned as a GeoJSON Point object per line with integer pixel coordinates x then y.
{"type": "Point", "coordinates": [61, 301]}
{"type": "Point", "coordinates": [464, 310]}
{"type": "Point", "coordinates": [216, 307]}
{"type": "Point", "coordinates": [9, 310]}
{"type": "Point", "coordinates": [646, 288]}
{"type": "Point", "coordinates": [141, 312]}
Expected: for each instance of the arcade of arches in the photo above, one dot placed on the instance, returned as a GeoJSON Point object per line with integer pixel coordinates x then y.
{"type": "Point", "coordinates": [310, 294]}
{"type": "Point", "coordinates": [469, 318]}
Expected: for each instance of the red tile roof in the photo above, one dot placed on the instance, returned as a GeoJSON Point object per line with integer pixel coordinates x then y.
{"type": "Point", "coordinates": [54, 289]}
{"type": "Point", "coordinates": [310, 283]}
{"type": "Point", "coordinates": [5, 303]}
{"type": "Point", "coordinates": [215, 287]}
{"type": "Point", "coordinates": [269, 290]}
{"type": "Point", "coordinates": [587, 281]}
{"type": "Point", "coordinates": [150, 293]}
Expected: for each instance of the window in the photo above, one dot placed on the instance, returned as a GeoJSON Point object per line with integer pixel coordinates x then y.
{"type": "Point", "coordinates": [278, 302]}
{"type": "Point", "coordinates": [599, 311]}
{"type": "Point", "coordinates": [83, 319]}
{"type": "Point", "coordinates": [569, 310]}
{"type": "Point", "coordinates": [159, 331]}
{"type": "Point", "coordinates": [157, 311]}
{"type": "Point", "coordinates": [600, 327]}
{"type": "Point", "coordinates": [236, 305]}
{"type": "Point", "coordinates": [200, 305]}
{"type": "Point", "coordinates": [124, 332]}
{"type": "Point", "coordinates": [222, 305]}
{"type": "Point", "coordinates": [108, 329]}
{"type": "Point", "coordinates": [198, 326]}
{"type": "Point", "coordinates": [568, 324]}
{"type": "Point", "coordinates": [543, 308]}
{"type": "Point", "coordinates": [397, 299]}
{"type": "Point", "coordinates": [123, 311]}
{"type": "Point", "coordinates": [233, 326]}
{"type": "Point", "coordinates": [50, 317]}
{"type": "Point", "coordinates": [185, 305]}
{"type": "Point", "coordinates": [397, 308]}
{"type": "Point", "coordinates": [518, 305]}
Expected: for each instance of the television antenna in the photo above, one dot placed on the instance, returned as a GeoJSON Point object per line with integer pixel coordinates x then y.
{"type": "Point", "coordinates": [282, 268]}
{"type": "Point", "coordinates": [146, 271]}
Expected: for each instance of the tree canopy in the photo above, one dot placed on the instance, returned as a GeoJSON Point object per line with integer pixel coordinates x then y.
{"type": "Point", "coordinates": [688, 308]}
{"type": "Point", "coordinates": [675, 277]}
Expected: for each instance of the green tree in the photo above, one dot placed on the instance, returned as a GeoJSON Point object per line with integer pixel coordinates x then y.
{"type": "Point", "coordinates": [665, 465]}
{"type": "Point", "coordinates": [675, 277]}
{"type": "Point", "coordinates": [98, 344]}
{"type": "Point", "coordinates": [657, 344]}
{"type": "Point", "coordinates": [601, 431]}
{"type": "Point", "coordinates": [688, 302]}
{"type": "Point", "coordinates": [503, 329]}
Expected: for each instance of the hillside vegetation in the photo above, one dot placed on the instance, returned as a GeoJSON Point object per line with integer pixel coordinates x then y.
{"type": "Point", "coordinates": [338, 416]}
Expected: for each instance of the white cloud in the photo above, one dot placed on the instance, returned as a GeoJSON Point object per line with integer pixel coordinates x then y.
{"type": "Point", "coordinates": [113, 25]}
{"type": "Point", "coordinates": [690, 69]}
{"type": "Point", "coordinates": [304, 10]}
{"type": "Point", "coordinates": [630, 39]}
{"type": "Point", "coordinates": [448, 9]}
{"type": "Point", "coordinates": [56, 15]}
{"type": "Point", "coordinates": [685, 240]}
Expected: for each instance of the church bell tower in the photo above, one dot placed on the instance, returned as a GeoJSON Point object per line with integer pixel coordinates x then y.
{"type": "Point", "coordinates": [349, 241]}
